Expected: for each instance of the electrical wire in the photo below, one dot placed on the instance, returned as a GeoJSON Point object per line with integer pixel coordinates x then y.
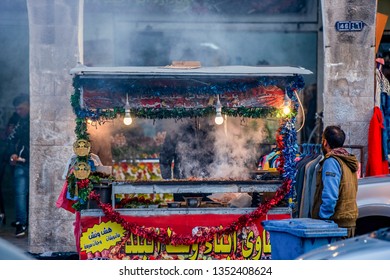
{"type": "Point", "coordinates": [303, 112]}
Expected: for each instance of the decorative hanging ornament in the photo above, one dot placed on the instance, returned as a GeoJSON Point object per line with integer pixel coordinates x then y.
{"type": "Point", "coordinates": [82, 170]}
{"type": "Point", "coordinates": [82, 147]}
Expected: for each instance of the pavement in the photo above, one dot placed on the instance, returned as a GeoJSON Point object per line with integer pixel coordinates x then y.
{"type": "Point", "coordinates": [7, 232]}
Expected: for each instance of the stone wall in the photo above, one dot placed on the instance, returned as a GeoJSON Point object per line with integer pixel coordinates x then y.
{"type": "Point", "coordinates": [349, 67]}
{"type": "Point", "coordinates": [53, 52]}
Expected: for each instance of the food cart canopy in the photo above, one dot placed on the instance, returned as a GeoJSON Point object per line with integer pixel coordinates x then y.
{"type": "Point", "coordinates": [189, 88]}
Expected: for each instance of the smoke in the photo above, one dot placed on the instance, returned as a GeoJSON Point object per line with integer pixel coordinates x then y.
{"type": "Point", "coordinates": [14, 56]}
{"type": "Point", "coordinates": [200, 148]}
{"type": "Point", "coordinates": [231, 150]}
{"type": "Point", "coordinates": [237, 148]}
{"type": "Point", "coordinates": [134, 34]}
{"type": "Point", "coordinates": [101, 144]}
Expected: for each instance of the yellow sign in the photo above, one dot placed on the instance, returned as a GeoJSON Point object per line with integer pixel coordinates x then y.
{"type": "Point", "coordinates": [101, 237]}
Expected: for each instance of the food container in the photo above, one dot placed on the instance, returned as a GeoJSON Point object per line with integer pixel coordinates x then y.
{"type": "Point", "coordinates": [193, 201]}
{"type": "Point", "coordinates": [174, 204]}
{"type": "Point", "coordinates": [153, 206]}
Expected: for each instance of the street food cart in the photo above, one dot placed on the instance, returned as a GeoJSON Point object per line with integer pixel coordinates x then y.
{"type": "Point", "coordinates": [151, 229]}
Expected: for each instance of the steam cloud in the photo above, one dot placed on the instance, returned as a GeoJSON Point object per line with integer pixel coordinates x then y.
{"type": "Point", "coordinates": [204, 149]}
{"type": "Point", "coordinates": [236, 151]}
{"type": "Point", "coordinates": [227, 151]}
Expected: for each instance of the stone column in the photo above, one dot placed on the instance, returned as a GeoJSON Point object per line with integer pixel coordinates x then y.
{"type": "Point", "coordinates": [53, 52]}
{"type": "Point", "coordinates": [349, 68]}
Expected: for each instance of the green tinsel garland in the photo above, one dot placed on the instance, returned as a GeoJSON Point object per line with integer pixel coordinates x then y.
{"type": "Point", "coordinates": [102, 115]}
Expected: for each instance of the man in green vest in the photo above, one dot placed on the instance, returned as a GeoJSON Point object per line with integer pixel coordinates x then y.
{"type": "Point", "coordinates": [336, 190]}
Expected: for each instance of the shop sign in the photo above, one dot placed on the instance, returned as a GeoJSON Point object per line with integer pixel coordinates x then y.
{"type": "Point", "coordinates": [101, 236]}
{"type": "Point", "coordinates": [349, 25]}
{"type": "Point", "coordinates": [109, 240]}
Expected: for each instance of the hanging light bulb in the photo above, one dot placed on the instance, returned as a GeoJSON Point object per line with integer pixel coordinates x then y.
{"type": "Point", "coordinates": [286, 105]}
{"type": "Point", "coordinates": [218, 109]}
{"type": "Point", "coordinates": [127, 120]}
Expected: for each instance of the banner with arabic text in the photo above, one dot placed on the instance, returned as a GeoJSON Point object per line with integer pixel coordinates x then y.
{"type": "Point", "coordinates": [104, 239]}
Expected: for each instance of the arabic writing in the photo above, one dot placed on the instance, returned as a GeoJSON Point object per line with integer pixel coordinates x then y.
{"type": "Point", "coordinates": [246, 242]}
{"type": "Point", "coordinates": [351, 25]}
{"type": "Point", "coordinates": [101, 236]}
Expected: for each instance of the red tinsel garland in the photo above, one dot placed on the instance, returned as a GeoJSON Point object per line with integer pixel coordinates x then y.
{"type": "Point", "coordinates": [161, 234]}
{"type": "Point", "coordinates": [84, 183]}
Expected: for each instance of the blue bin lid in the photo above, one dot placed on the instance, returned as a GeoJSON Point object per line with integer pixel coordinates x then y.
{"type": "Point", "coordinates": [305, 227]}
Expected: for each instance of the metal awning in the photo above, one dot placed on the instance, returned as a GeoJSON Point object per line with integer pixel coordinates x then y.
{"type": "Point", "coordinates": [167, 71]}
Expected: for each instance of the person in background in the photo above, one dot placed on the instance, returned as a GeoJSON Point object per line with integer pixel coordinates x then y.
{"type": "Point", "coordinates": [4, 161]}
{"type": "Point", "coordinates": [336, 190]}
{"type": "Point", "coordinates": [188, 151]}
{"type": "Point", "coordinates": [19, 145]}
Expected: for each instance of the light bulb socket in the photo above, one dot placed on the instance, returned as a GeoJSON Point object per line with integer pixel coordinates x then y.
{"type": "Point", "coordinates": [287, 100]}
{"type": "Point", "coordinates": [218, 107]}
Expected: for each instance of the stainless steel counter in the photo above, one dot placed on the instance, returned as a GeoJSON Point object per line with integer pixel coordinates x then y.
{"type": "Point", "coordinates": [182, 211]}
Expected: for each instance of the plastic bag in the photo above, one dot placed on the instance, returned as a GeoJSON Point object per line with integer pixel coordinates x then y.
{"type": "Point", "coordinates": [242, 200]}
{"type": "Point", "coordinates": [223, 198]}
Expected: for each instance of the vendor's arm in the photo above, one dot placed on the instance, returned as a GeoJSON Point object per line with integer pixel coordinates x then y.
{"type": "Point", "coordinates": [331, 176]}
{"type": "Point", "coordinates": [167, 155]}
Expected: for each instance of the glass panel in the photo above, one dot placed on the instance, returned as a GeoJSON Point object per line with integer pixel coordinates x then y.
{"type": "Point", "coordinates": [211, 10]}
{"type": "Point", "coordinates": [165, 149]}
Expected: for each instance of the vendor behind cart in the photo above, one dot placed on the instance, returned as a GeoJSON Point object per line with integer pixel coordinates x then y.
{"type": "Point", "coordinates": [187, 152]}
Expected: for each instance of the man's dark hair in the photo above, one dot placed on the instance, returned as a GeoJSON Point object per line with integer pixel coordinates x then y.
{"type": "Point", "coordinates": [335, 136]}
{"type": "Point", "coordinates": [20, 99]}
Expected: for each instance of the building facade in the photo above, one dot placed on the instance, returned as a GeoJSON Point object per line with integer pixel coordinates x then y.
{"type": "Point", "coordinates": [342, 62]}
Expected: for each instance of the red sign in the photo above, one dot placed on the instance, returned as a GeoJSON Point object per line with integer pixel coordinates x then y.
{"type": "Point", "coordinates": [101, 238]}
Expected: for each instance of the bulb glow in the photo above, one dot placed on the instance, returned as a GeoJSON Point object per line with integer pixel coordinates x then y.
{"type": "Point", "coordinates": [286, 110]}
{"type": "Point", "coordinates": [127, 120]}
{"type": "Point", "coordinates": [219, 119]}
{"type": "Point", "coordinates": [286, 105]}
